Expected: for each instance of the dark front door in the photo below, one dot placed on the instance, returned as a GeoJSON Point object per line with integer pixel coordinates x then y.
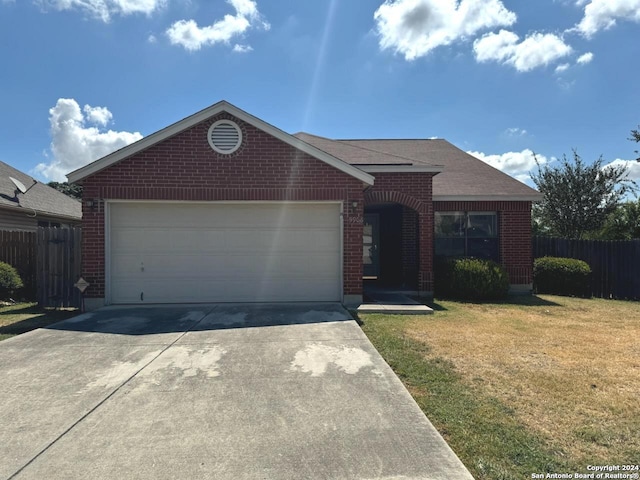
{"type": "Point", "coordinates": [370, 246]}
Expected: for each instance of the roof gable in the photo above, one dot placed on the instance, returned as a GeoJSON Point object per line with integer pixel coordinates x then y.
{"type": "Point", "coordinates": [39, 197]}
{"type": "Point", "coordinates": [222, 106]}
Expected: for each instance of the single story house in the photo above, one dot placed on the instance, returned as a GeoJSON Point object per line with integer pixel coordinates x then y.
{"type": "Point", "coordinates": [224, 207]}
{"type": "Point", "coordinates": [38, 206]}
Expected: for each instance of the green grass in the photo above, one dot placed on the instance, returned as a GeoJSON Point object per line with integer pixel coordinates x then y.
{"type": "Point", "coordinates": [24, 317]}
{"type": "Point", "coordinates": [481, 430]}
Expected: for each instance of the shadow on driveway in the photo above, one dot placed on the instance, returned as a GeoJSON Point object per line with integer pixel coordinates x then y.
{"type": "Point", "coordinates": [156, 319]}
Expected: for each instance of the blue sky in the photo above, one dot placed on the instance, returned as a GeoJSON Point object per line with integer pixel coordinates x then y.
{"type": "Point", "coordinates": [500, 79]}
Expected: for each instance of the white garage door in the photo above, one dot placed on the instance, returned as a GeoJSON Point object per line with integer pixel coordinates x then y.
{"type": "Point", "coordinates": [219, 252]}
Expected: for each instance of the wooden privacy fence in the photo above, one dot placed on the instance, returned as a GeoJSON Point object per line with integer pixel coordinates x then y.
{"type": "Point", "coordinates": [18, 249]}
{"type": "Point", "coordinates": [615, 264]}
{"type": "Point", "coordinates": [58, 266]}
{"type": "Point", "coordinates": [48, 261]}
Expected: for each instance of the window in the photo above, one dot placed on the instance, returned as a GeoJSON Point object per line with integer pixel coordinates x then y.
{"type": "Point", "coordinates": [467, 234]}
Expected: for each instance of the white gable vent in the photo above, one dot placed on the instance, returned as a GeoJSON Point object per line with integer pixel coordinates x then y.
{"type": "Point", "coordinates": [225, 136]}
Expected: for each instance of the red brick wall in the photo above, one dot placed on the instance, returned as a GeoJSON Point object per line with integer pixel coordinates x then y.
{"type": "Point", "coordinates": [515, 234]}
{"type": "Point", "coordinates": [184, 167]}
{"type": "Point", "coordinates": [410, 247]}
{"type": "Point", "coordinates": [413, 190]}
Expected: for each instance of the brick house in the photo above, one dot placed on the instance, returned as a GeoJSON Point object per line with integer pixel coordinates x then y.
{"type": "Point", "coordinates": [223, 207]}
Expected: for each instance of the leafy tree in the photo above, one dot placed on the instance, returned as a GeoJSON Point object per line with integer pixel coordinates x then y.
{"type": "Point", "coordinates": [635, 137]}
{"type": "Point", "coordinates": [622, 224]}
{"type": "Point", "coordinates": [578, 197]}
{"type": "Point", "coordinates": [70, 189]}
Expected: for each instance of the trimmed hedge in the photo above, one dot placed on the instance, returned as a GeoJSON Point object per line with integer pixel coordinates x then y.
{"type": "Point", "coordinates": [9, 279]}
{"type": "Point", "coordinates": [562, 276]}
{"type": "Point", "coordinates": [470, 279]}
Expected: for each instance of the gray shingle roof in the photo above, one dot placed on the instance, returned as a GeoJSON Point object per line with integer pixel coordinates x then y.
{"type": "Point", "coordinates": [463, 175]}
{"type": "Point", "coordinates": [39, 197]}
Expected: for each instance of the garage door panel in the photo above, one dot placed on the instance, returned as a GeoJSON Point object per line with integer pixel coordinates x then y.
{"type": "Point", "coordinates": [154, 239]}
{"type": "Point", "coordinates": [222, 291]}
{"type": "Point", "coordinates": [284, 240]}
{"type": "Point", "coordinates": [224, 252]}
{"type": "Point", "coordinates": [206, 266]}
{"type": "Point", "coordinates": [158, 264]}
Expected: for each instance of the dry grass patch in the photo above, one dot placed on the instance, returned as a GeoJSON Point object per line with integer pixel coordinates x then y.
{"type": "Point", "coordinates": [569, 368]}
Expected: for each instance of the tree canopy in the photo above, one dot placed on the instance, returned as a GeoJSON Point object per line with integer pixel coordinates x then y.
{"type": "Point", "coordinates": [622, 224]}
{"type": "Point", "coordinates": [635, 137]}
{"type": "Point", "coordinates": [70, 189]}
{"type": "Point", "coordinates": [578, 198]}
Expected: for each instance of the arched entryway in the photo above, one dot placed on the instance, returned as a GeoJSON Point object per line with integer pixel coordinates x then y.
{"type": "Point", "coordinates": [396, 251]}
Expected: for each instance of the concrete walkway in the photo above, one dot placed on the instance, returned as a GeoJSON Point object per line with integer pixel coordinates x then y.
{"type": "Point", "coordinates": [381, 301]}
{"type": "Point", "coordinates": [210, 391]}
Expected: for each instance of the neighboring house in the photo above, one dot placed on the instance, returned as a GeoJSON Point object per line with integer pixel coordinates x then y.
{"type": "Point", "coordinates": [39, 206]}
{"type": "Point", "coordinates": [223, 207]}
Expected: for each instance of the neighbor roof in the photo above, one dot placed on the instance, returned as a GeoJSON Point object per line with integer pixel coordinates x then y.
{"type": "Point", "coordinates": [222, 106]}
{"type": "Point", "coordinates": [462, 177]}
{"type": "Point", "coordinates": [39, 197]}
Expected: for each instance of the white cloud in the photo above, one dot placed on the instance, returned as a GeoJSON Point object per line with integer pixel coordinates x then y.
{"type": "Point", "coordinates": [76, 139]}
{"type": "Point", "coordinates": [242, 48]}
{"type": "Point", "coordinates": [98, 115]}
{"type": "Point", "coordinates": [105, 9]}
{"type": "Point", "coordinates": [603, 14]}
{"type": "Point", "coordinates": [632, 165]}
{"type": "Point", "coordinates": [414, 28]}
{"type": "Point", "coordinates": [585, 58]}
{"type": "Point", "coordinates": [563, 67]}
{"type": "Point", "coordinates": [192, 37]}
{"type": "Point", "coordinates": [152, 38]}
{"type": "Point", "coordinates": [517, 164]}
{"type": "Point", "coordinates": [515, 132]}
{"type": "Point", "coordinates": [536, 50]}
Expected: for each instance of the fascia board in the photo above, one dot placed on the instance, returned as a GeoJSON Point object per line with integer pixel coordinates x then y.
{"type": "Point", "coordinates": [488, 198]}
{"type": "Point", "coordinates": [400, 168]}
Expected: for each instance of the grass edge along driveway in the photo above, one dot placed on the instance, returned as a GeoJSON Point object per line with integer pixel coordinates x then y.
{"type": "Point", "coordinates": [518, 388]}
{"type": "Point", "coordinates": [24, 317]}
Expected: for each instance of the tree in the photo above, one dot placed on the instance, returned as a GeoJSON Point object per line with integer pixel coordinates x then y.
{"type": "Point", "coordinates": [70, 189]}
{"type": "Point", "coordinates": [635, 137]}
{"type": "Point", "coordinates": [623, 223]}
{"type": "Point", "coordinates": [578, 197]}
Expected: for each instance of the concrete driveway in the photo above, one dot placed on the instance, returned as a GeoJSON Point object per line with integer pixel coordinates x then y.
{"type": "Point", "coordinates": [210, 391]}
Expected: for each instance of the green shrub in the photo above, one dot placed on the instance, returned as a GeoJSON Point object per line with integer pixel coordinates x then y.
{"type": "Point", "coordinates": [562, 276]}
{"type": "Point", "coordinates": [9, 279]}
{"type": "Point", "coordinates": [470, 279]}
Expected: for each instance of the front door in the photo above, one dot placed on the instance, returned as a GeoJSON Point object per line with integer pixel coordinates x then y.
{"type": "Point", "coordinates": [370, 246]}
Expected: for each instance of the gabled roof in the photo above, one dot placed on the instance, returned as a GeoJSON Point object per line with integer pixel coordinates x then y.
{"type": "Point", "coordinates": [39, 197]}
{"type": "Point", "coordinates": [462, 177]}
{"type": "Point", "coordinates": [186, 123]}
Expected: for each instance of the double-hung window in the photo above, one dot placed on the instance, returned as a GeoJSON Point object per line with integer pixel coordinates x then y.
{"type": "Point", "coordinates": [467, 234]}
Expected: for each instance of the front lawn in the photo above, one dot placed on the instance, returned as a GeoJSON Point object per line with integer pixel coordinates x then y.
{"type": "Point", "coordinates": [532, 385]}
{"type": "Point", "coordinates": [23, 317]}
